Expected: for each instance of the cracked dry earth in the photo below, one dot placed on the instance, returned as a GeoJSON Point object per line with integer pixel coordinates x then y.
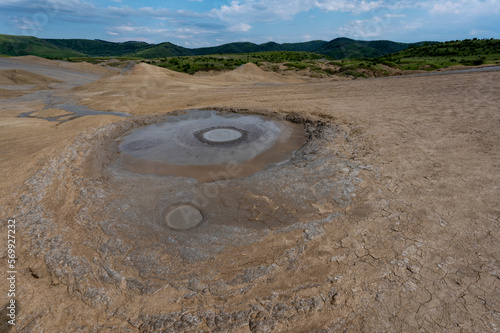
{"type": "Point", "coordinates": [387, 220]}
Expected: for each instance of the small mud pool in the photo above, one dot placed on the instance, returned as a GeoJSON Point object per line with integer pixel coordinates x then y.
{"type": "Point", "coordinates": [210, 145]}
{"type": "Point", "coordinates": [183, 217]}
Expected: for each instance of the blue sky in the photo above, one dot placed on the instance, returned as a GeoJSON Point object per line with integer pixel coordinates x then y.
{"type": "Point", "coordinates": [198, 23]}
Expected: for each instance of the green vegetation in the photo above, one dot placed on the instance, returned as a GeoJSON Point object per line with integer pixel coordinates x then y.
{"type": "Point", "coordinates": [163, 50]}
{"type": "Point", "coordinates": [345, 48]}
{"type": "Point", "coordinates": [21, 45]}
{"type": "Point", "coordinates": [192, 64]}
{"type": "Point", "coordinates": [98, 48]}
{"type": "Point", "coordinates": [338, 48]}
{"type": "Point", "coordinates": [341, 56]}
{"type": "Point", "coordinates": [117, 61]}
{"type": "Point", "coordinates": [469, 52]}
{"type": "Point", "coordinates": [425, 57]}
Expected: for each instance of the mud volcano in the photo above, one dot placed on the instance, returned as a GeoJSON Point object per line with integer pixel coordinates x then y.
{"type": "Point", "coordinates": [161, 234]}
{"type": "Point", "coordinates": [269, 190]}
{"type": "Point", "coordinates": [208, 145]}
{"type": "Point", "coordinates": [199, 183]}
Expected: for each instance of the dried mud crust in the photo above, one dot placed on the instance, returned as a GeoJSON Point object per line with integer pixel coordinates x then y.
{"type": "Point", "coordinates": [415, 251]}
{"type": "Point", "coordinates": [96, 229]}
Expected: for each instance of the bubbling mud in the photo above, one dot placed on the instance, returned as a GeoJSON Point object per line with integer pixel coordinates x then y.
{"type": "Point", "coordinates": [183, 217]}
{"type": "Point", "coordinates": [210, 145]}
{"type": "Point", "coordinates": [221, 135]}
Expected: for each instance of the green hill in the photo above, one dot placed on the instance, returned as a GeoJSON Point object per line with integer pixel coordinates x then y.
{"type": "Point", "coordinates": [162, 50]}
{"type": "Point", "coordinates": [341, 48]}
{"type": "Point", "coordinates": [338, 48]}
{"type": "Point", "coordinates": [240, 47]}
{"type": "Point", "coordinates": [466, 52]}
{"type": "Point", "coordinates": [97, 48]}
{"type": "Point", "coordinates": [22, 45]}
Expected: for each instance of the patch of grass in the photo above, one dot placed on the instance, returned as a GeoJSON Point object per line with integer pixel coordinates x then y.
{"type": "Point", "coordinates": [296, 65]}
{"type": "Point", "coordinates": [469, 52]}
{"type": "Point", "coordinates": [193, 64]}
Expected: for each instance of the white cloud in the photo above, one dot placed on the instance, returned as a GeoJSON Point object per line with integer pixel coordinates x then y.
{"type": "Point", "coordinates": [232, 19]}
{"type": "Point", "coordinates": [83, 11]}
{"type": "Point", "coordinates": [348, 6]}
{"type": "Point", "coordinates": [25, 25]}
{"type": "Point", "coordinates": [240, 14]}
{"type": "Point", "coordinates": [252, 11]}
{"type": "Point", "coordinates": [463, 7]}
{"type": "Point", "coordinates": [136, 30]}
{"type": "Point", "coordinates": [477, 33]}
{"type": "Point", "coordinates": [180, 33]}
{"type": "Point", "coordinates": [136, 39]}
{"type": "Point", "coordinates": [369, 28]}
{"type": "Point", "coordinates": [271, 10]}
{"type": "Point", "coordinates": [192, 31]}
{"type": "Point", "coordinates": [240, 27]}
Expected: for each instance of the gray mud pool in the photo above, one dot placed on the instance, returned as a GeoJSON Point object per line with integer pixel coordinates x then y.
{"type": "Point", "coordinates": [209, 145]}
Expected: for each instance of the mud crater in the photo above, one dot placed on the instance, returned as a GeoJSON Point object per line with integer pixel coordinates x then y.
{"type": "Point", "coordinates": [210, 145]}
{"type": "Point", "coordinates": [135, 222]}
{"type": "Point", "coordinates": [239, 205]}
{"type": "Point", "coordinates": [221, 135]}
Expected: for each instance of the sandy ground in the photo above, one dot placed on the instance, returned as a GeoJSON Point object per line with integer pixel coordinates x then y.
{"type": "Point", "coordinates": [414, 247]}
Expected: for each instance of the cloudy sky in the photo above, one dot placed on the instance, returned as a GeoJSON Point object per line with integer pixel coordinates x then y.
{"type": "Point", "coordinates": [197, 23]}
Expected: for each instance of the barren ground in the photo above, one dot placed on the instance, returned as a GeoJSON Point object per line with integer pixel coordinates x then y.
{"type": "Point", "coordinates": [393, 207]}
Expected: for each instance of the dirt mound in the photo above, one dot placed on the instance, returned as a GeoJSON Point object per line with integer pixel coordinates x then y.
{"type": "Point", "coordinates": [252, 73]}
{"type": "Point", "coordinates": [247, 73]}
{"type": "Point", "coordinates": [22, 77]}
{"type": "Point", "coordinates": [152, 82]}
{"type": "Point", "coordinates": [144, 77]}
{"type": "Point", "coordinates": [149, 76]}
{"type": "Point", "coordinates": [145, 69]}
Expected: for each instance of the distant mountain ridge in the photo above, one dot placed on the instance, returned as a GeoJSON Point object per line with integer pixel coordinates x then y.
{"type": "Point", "coordinates": [338, 48]}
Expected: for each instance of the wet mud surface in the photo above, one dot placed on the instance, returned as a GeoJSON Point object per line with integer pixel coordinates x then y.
{"type": "Point", "coordinates": [66, 77]}
{"type": "Point", "coordinates": [73, 111]}
{"type": "Point", "coordinates": [210, 145]}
